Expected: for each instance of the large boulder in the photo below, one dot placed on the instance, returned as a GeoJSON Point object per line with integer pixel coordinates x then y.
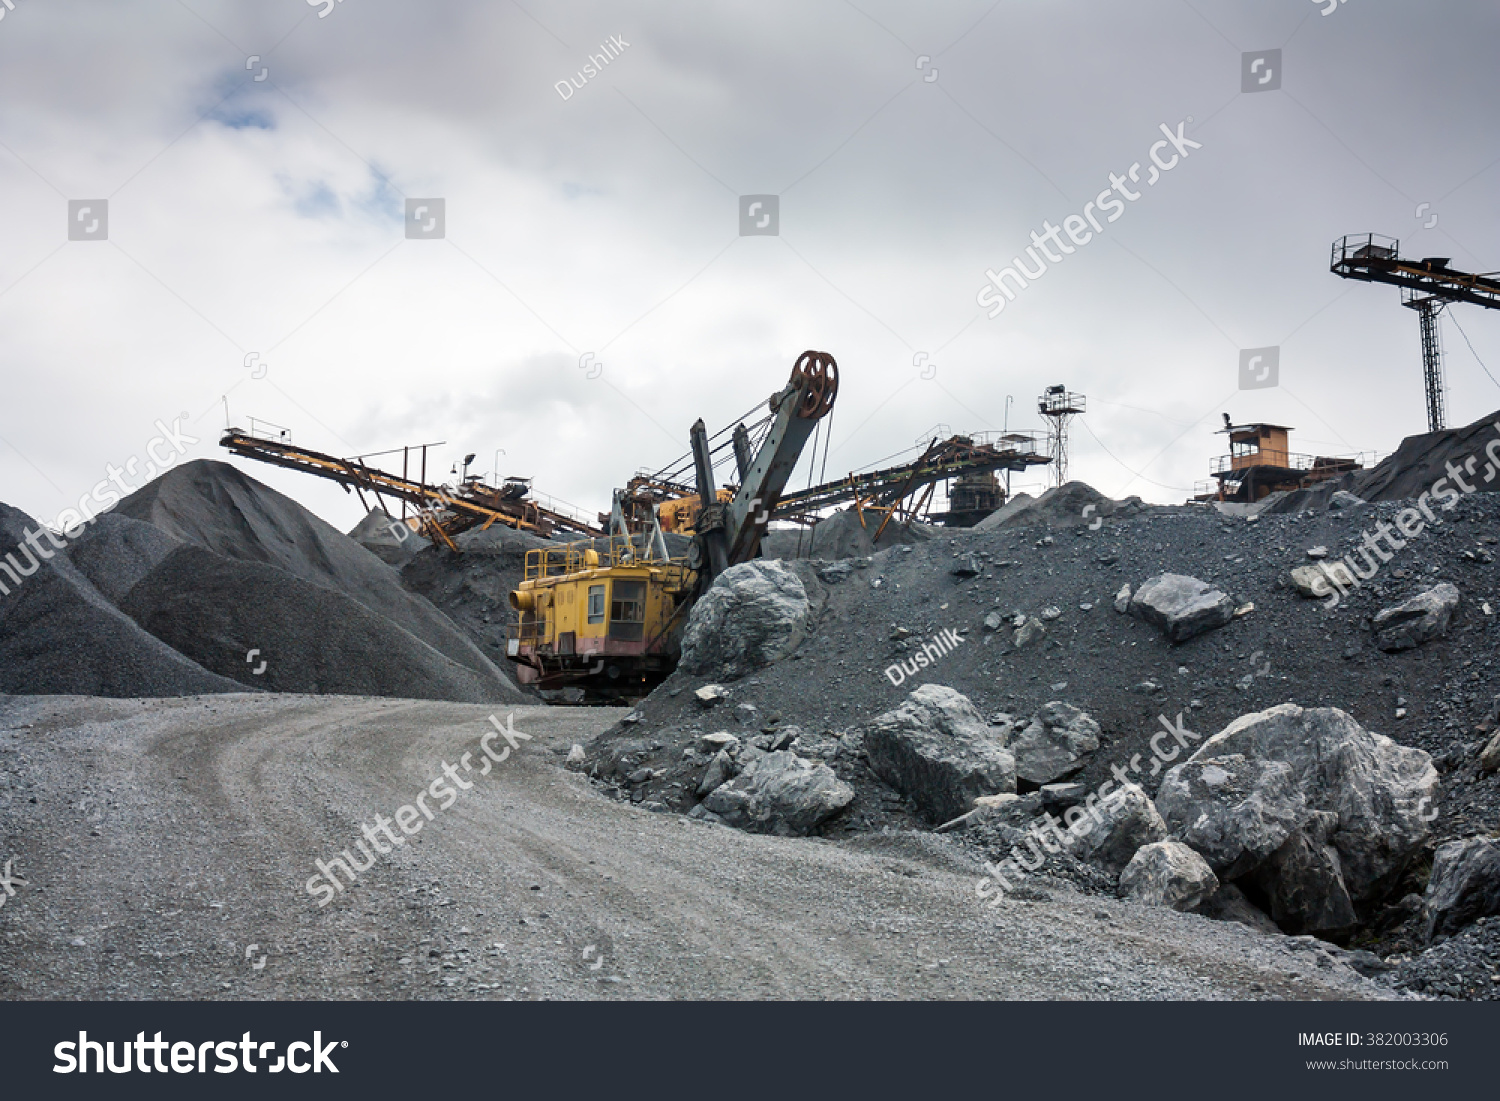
{"type": "Point", "coordinates": [1127, 821]}
{"type": "Point", "coordinates": [1181, 607]}
{"type": "Point", "coordinates": [1378, 791]}
{"type": "Point", "coordinates": [1303, 880]}
{"type": "Point", "coordinates": [938, 750]}
{"type": "Point", "coordinates": [1234, 810]}
{"type": "Point", "coordinates": [754, 614]}
{"type": "Point", "coordinates": [1168, 873]}
{"type": "Point", "coordinates": [780, 793]}
{"type": "Point", "coordinates": [1465, 885]}
{"type": "Point", "coordinates": [1415, 621]}
{"type": "Point", "coordinates": [1059, 740]}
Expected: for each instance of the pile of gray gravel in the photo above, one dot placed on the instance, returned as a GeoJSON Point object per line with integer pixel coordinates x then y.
{"type": "Point", "coordinates": [59, 635]}
{"type": "Point", "coordinates": [223, 510]}
{"type": "Point", "coordinates": [1411, 470]}
{"type": "Point", "coordinates": [310, 639]}
{"type": "Point", "coordinates": [170, 593]}
{"type": "Point", "coordinates": [841, 535]}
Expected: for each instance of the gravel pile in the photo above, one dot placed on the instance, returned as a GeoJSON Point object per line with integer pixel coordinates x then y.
{"type": "Point", "coordinates": [1059, 573]}
{"type": "Point", "coordinates": [218, 508]}
{"type": "Point", "coordinates": [218, 611]}
{"type": "Point", "coordinates": [60, 636]}
{"type": "Point", "coordinates": [1411, 470]}
{"type": "Point", "coordinates": [1467, 966]}
{"type": "Point", "coordinates": [115, 552]}
{"type": "Point", "coordinates": [472, 589]}
{"type": "Point", "coordinates": [841, 536]}
{"type": "Point", "coordinates": [380, 534]}
{"type": "Point", "coordinates": [1063, 506]}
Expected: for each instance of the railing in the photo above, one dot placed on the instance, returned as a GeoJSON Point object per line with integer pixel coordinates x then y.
{"type": "Point", "coordinates": [1363, 246]}
{"type": "Point", "coordinates": [1025, 442]}
{"type": "Point", "coordinates": [1313, 464]}
{"type": "Point", "coordinates": [614, 550]}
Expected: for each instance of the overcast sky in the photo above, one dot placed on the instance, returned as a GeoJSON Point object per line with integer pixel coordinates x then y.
{"type": "Point", "coordinates": [257, 227]}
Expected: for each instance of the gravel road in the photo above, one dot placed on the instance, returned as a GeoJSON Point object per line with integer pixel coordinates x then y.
{"type": "Point", "coordinates": [154, 842]}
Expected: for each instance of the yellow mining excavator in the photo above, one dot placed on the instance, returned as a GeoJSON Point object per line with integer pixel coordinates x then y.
{"type": "Point", "coordinates": [606, 615]}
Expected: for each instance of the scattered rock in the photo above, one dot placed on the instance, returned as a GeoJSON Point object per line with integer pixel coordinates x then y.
{"type": "Point", "coordinates": [968, 566]}
{"type": "Point", "coordinates": [937, 749]}
{"type": "Point", "coordinates": [1311, 581]}
{"type": "Point", "coordinates": [1059, 740]}
{"type": "Point", "coordinates": [1343, 499]}
{"type": "Point", "coordinates": [1465, 885]}
{"type": "Point", "coordinates": [1168, 873]}
{"type": "Point", "coordinates": [834, 572]}
{"type": "Point", "coordinates": [1489, 757]}
{"type": "Point", "coordinates": [1122, 599]}
{"type": "Point", "coordinates": [780, 793]}
{"type": "Point", "coordinates": [1062, 796]}
{"type": "Point", "coordinates": [1127, 821]}
{"type": "Point", "coordinates": [1423, 617]}
{"type": "Point", "coordinates": [720, 771]}
{"type": "Point", "coordinates": [1181, 607]}
{"type": "Point", "coordinates": [711, 694]}
{"type": "Point", "coordinates": [1030, 630]}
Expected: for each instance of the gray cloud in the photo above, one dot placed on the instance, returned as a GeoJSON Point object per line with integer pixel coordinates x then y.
{"type": "Point", "coordinates": [266, 217]}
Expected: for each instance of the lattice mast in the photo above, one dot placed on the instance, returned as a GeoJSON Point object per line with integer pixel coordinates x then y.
{"type": "Point", "coordinates": [1058, 407]}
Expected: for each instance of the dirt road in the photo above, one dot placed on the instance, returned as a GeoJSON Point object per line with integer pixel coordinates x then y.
{"type": "Point", "coordinates": [161, 849]}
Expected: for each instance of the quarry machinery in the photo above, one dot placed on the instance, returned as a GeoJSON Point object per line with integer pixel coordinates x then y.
{"type": "Point", "coordinates": [1261, 462]}
{"type": "Point", "coordinates": [1428, 286]}
{"type": "Point", "coordinates": [442, 512]}
{"type": "Point", "coordinates": [606, 615]}
{"type": "Point", "coordinates": [969, 459]}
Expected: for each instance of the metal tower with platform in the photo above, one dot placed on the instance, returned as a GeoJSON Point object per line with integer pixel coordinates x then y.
{"type": "Point", "coordinates": [1059, 407]}
{"type": "Point", "coordinates": [1428, 286]}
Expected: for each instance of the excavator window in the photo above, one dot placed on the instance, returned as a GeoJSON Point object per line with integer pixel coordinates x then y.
{"type": "Point", "coordinates": [596, 603]}
{"type": "Point", "coordinates": [627, 612]}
